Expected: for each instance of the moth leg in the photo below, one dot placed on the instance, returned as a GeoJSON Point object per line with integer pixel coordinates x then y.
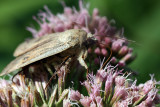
{"type": "Point", "coordinates": [65, 60]}
{"type": "Point", "coordinates": [82, 56]}
{"type": "Point", "coordinates": [16, 75]}
{"type": "Point", "coordinates": [50, 80]}
{"type": "Point", "coordinates": [54, 74]}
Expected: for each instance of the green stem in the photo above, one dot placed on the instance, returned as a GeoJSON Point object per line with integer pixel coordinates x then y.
{"type": "Point", "coordinates": [60, 86]}
{"type": "Point", "coordinates": [139, 101]}
{"type": "Point", "coordinates": [63, 95]}
{"type": "Point", "coordinates": [53, 96]}
{"type": "Point", "coordinates": [49, 69]}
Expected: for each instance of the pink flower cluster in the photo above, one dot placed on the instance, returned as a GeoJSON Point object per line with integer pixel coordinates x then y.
{"type": "Point", "coordinates": [24, 92]}
{"type": "Point", "coordinates": [72, 19]}
{"type": "Point", "coordinates": [105, 34]}
{"type": "Point", "coordinates": [108, 88]}
{"type": "Point", "coordinates": [121, 53]}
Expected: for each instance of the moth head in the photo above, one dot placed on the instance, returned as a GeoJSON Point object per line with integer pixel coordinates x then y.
{"type": "Point", "coordinates": [90, 40]}
{"type": "Point", "coordinates": [84, 38]}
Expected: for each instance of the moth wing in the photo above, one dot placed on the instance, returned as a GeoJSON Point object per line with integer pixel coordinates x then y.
{"type": "Point", "coordinates": [36, 54]}
{"type": "Point", "coordinates": [55, 43]}
{"type": "Point", "coordinates": [28, 45]}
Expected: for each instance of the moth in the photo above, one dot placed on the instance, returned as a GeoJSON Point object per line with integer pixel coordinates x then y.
{"type": "Point", "coordinates": [51, 48]}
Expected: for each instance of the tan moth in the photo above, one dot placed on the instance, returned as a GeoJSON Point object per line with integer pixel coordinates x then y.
{"type": "Point", "coordinates": [68, 43]}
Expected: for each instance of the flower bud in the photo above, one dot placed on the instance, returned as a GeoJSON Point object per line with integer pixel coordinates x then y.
{"type": "Point", "coordinates": [75, 95]}
{"type": "Point", "coordinates": [95, 12]}
{"type": "Point", "coordinates": [126, 58]}
{"type": "Point", "coordinates": [87, 85]}
{"type": "Point", "coordinates": [123, 51]}
{"type": "Point", "coordinates": [89, 50]}
{"type": "Point", "coordinates": [107, 41]}
{"type": "Point", "coordinates": [99, 101]}
{"type": "Point", "coordinates": [116, 45]}
{"type": "Point", "coordinates": [101, 76]}
{"type": "Point", "coordinates": [120, 80]}
{"type": "Point", "coordinates": [113, 60]}
{"type": "Point", "coordinates": [66, 103]}
{"type": "Point", "coordinates": [96, 61]}
{"type": "Point", "coordinates": [95, 90]}
{"type": "Point", "coordinates": [121, 63]}
{"type": "Point", "coordinates": [119, 93]}
{"type": "Point", "coordinates": [104, 52]}
{"type": "Point", "coordinates": [67, 11]}
{"type": "Point", "coordinates": [86, 101]}
{"type": "Point", "coordinates": [108, 86]}
{"type": "Point", "coordinates": [97, 51]}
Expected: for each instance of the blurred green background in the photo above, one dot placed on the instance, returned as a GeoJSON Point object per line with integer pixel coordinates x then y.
{"type": "Point", "coordinates": [139, 18]}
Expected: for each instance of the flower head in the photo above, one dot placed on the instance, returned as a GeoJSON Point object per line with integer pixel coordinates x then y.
{"type": "Point", "coordinates": [106, 35]}
{"type": "Point", "coordinates": [117, 90]}
{"type": "Point", "coordinates": [108, 87]}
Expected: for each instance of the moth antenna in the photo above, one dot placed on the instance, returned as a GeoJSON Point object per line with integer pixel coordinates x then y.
{"type": "Point", "coordinates": [128, 40]}
{"type": "Point", "coordinates": [108, 58]}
